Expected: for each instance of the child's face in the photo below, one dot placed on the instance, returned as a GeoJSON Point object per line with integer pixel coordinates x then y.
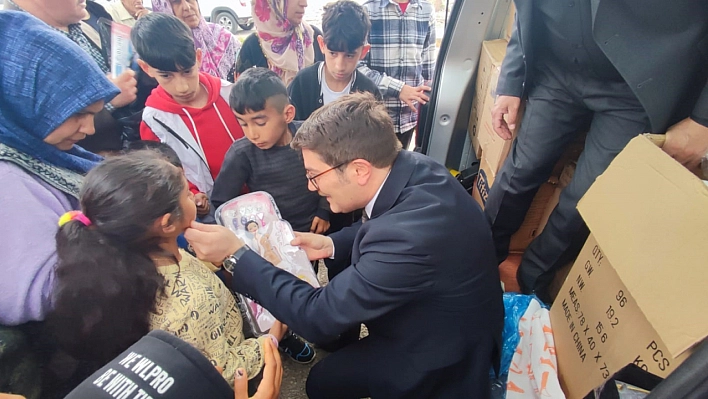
{"type": "Point", "coordinates": [269, 127]}
{"type": "Point", "coordinates": [183, 85]}
{"type": "Point", "coordinates": [340, 65]}
{"type": "Point", "coordinates": [189, 208]}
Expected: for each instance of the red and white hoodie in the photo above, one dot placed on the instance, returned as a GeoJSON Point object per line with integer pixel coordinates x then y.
{"type": "Point", "coordinates": [199, 136]}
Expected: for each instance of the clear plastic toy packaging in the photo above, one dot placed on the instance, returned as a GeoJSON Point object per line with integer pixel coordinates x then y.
{"type": "Point", "coordinates": [256, 220]}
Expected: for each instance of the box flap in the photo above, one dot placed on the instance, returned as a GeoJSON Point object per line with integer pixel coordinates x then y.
{"type": "Point", "coordinates": [496, 50]}
{"type": "Point", "coordinates": [650, 216]}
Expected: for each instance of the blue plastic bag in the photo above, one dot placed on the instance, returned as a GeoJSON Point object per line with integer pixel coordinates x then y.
{"type": "Point", "coordinates": [515, 306]}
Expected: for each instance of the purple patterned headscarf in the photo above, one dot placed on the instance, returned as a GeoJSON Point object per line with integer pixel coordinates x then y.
{"type": "Point", "coordinates": [287, 48]}
{"type": "Point", "coordinates": [219, 46]}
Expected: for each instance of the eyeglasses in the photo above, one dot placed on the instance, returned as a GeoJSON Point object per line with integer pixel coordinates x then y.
{"type": "Point", "coordinates": [314, 182]}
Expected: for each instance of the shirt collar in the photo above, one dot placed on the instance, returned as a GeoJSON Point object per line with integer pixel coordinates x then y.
{"type": "Point", "coordinates": [370, 206]}
{"type": "Point", "coordinates": [123, 13]}
{"type": "Point", "coordinates": [384, 3]}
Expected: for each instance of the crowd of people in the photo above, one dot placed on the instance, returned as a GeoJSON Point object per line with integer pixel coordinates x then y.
{"type": "Point", "coordinates": [220, 119]}
{"type": "Point", "coordinates": [111, 252]}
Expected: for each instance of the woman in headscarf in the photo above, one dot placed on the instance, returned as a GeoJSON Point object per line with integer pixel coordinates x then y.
{"type": "Point", "coordinates": [219, 46]}
{"type": "Point", "coordinates": [282, 42]}
{"type": "Point", "coordinates": [50, 91]}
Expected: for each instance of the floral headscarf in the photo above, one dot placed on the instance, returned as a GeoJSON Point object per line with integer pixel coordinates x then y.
{"type": "Point", "coordinates": [219, 46]}
{"type": "Point", "coordinates": [287, 48]}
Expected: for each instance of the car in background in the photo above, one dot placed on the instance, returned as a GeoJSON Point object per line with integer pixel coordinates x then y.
{"type": "Point", "coordinates": [228, 13]}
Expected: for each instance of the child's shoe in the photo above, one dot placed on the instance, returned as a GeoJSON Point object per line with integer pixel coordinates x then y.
{"type": "Point", "coordinates": [297, 348]}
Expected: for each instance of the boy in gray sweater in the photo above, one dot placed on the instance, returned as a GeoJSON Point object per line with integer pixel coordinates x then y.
{"type": "Point", "coordinates": [263, 160]}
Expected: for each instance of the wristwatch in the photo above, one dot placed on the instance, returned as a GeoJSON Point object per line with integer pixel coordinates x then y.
{"type": "Point", "coordinates": [231, 261]}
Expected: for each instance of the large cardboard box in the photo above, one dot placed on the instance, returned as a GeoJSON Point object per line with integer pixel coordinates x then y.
{"type": "Point", "coordinates": [490, 60]}
{"type": "Point", "coordinates": [636, 292]}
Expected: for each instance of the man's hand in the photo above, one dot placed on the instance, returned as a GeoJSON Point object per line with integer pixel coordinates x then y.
{"type": "Point", "coordinates": [319, 226]}
{"type": "Point", "coordinates": [410, 95]}
{"type": "Point", "coordinates": [128, 87]}
{"type": "Point", "coordinates": [687, 142]}
{"type": "Point", "coordinates": [212, 243]}
{"type": "Point", "coordinates": [269, 388]}
{"type": "Point", "coordinates": [202, 202]}
{"type": "Point", "coordinates": [141, 13]}
{"type": "Point", "coordinates": [316, 246]}
{"type": "Point", "coordinates": [504, 114]}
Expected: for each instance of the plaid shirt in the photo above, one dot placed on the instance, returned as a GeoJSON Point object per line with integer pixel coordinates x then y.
{"type": "Point", "coordinates": [402, 52]}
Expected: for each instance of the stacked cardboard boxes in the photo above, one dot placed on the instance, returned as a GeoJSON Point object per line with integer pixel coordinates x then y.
{"type": "Point", "coordinates": [635, 292]}
{"type": "Point", "coordinates": [492, 150]}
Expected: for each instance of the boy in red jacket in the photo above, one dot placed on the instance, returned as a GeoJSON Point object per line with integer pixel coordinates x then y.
{"type": "Point", "coordinates": [189, 110]}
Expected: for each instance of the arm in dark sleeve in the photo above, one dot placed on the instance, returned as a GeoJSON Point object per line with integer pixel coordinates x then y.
{"type": "Point", "coordinates": [513, 69]}
{"type": "Point", "coordinates": [250, 55]}
{"type": "Point", "coordinates": [319, 56]}
{"type": "Point", "coordinates": [388, 275]}
{"type": "Point", "coordinates": [323, 211]}
{"type": "Point", "coordinates": [233, 175]}
{"type": "Point", "coordinates": [295, 90]}
{"type": "Point", "coordinates": [700, 110]}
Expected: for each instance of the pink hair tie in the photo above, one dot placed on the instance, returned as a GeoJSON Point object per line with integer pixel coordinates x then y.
{"type": "Point", "coordinates": [74, 215]}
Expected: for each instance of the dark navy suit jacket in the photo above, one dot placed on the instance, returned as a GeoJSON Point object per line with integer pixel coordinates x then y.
{"type": "Point", "coordinates": [423, 278]}
{"type": "Point", "coordinates": [659, 47]}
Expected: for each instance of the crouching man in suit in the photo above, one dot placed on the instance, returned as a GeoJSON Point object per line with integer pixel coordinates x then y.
{"type": "Point", "coordinates": [423, 275]}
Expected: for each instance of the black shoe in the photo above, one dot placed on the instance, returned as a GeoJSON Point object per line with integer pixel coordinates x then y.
{"type": "Point", "coordinates": [296, 348]}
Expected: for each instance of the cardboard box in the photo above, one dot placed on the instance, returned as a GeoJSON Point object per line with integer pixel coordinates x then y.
{"type": "Point", "coordinates": [482, 184]}
{"type": "Point", "coordinates": [490, 60]}
{"type": "Point", "coordinates": [636, 292]}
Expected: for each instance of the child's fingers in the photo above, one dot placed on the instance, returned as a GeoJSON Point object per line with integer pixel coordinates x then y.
{"type": "Point", "coordinates": [241, 384]}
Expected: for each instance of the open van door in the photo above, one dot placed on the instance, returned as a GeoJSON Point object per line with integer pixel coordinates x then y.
{"type": "Point", "coordinates": [443, 122]}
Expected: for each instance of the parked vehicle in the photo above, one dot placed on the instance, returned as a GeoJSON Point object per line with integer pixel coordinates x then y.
{"type": "Point", "coordinates": [228, 14]}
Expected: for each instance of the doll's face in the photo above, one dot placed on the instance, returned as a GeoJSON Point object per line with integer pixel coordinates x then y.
{"type": "Point", "coordinates": [252, 227]}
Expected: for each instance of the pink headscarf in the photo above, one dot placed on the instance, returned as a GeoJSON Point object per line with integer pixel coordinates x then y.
{"type": "Point", "coordinates": [287, 48]}
{"type": "Point", "coordinates": [219, 46]}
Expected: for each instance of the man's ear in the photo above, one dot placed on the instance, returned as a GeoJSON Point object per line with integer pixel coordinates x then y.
{"type": "Point", "coordinates": [145, 67]}
{"type": "Point", "coordinates": [200, 56]}
{"type": "Point", "coordinates": [362, 171]}
{"type": "Point", "coordinates": [364, 51]}
{"type": "Point", "coordinates": [320, 41]}
{"type": "Point", "coordinates": [289, 113]}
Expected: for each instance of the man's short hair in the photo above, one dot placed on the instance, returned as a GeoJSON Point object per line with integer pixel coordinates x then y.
{"type": "Point", "coordinates": [345, 26]}
{"type": "Point", "coordinates": [163, 150]}
{"type": "Point", "coordinates": [254, 88]}
{"type": "Point", "coordinates": [355, 126]}
{"type": "Point", "coordinates": [164, 42]}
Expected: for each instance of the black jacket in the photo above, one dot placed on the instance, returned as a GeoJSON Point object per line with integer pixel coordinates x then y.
{"type": "Point", "coordinates": [659, 47]}
{"type": "Point", "coordinates": [423, 278]}
{"type": "Point", "coordinates": [306, 94]}
{"type": "Point", "coordinates": [251, 54]}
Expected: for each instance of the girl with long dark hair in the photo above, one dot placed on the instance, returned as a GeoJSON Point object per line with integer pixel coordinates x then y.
{"type": "Point", "coordinates": [121, 273]}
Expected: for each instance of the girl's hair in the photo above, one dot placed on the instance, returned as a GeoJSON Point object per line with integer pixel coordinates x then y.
{"type": "Point", "coordinates": [106, 283]}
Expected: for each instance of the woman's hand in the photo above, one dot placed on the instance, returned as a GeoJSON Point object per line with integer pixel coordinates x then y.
{"type": "Point", "coordinates": [269, 388]}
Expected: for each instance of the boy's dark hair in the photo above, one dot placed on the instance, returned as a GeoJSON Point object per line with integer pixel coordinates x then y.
{"type": "Point", "coordinates": [355, 126]}
{"type": "Point", "coordinates": [256, 86]}
{"type": "Point", "coordinates": [106, 282]}
{"type": "Point", "coordinates": [345, 26]}
{"type": "Point", "coordinates": [164, 150]}
{"type": "Point", "coordinates": [164, 42]}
